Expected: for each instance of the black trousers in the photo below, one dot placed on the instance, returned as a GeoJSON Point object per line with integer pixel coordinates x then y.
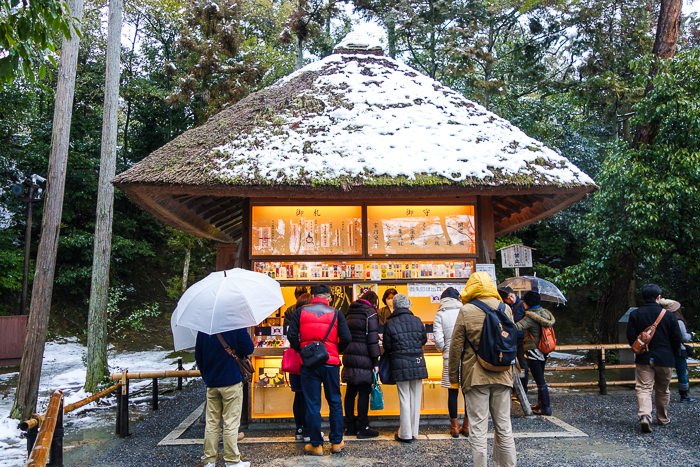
{"type": "Point", "coordinates": [452, 394]}
{"type": "Point", "coordinates": [361, 391]}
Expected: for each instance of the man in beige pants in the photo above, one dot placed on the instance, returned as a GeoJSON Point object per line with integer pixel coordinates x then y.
{"type": "Point", "coordinates": [485, 391]}
{"type": "Point", "coordinates": [654, 367]}
{"type": "Point", "coordinates": [224, 392]}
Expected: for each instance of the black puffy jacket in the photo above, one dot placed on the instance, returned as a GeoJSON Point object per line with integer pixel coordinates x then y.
{"type": "Point", "coordinates": [362, 355]}
{"type": "Point", "coordinates": [404, 337]}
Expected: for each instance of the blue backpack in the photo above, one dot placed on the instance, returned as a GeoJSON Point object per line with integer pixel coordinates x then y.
{"type": "Point", "coordinates": [498, 344]}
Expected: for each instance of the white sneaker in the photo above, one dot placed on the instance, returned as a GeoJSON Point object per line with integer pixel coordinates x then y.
{"type": "Point", "coordinates": [239, 464]}
{"type": "Point", "coordinates": [210, 464]}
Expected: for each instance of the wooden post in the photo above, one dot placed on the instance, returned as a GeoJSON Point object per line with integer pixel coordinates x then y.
{"type": "Point", "coordinates": [154, 402]}
{"type": "Point", "coordinates": [486, 238]}
{"type": "Point", "coordinates": [179, 378]}
{"type": "Point", "coordinates": [522, 395]}
{"type": "Point", "coordinates": [32, 433]}
{"type": "Point", "coordinates": [602, 380]}
{"type": "Point", "coordinates": [124, 413]}
{"type": "Point", "coordinates": [102, 248]}
{"type": "Point", "coordinates": [226, 256]}
{"type": "Point", "coordinates": [42, 288]}
{"type": "Point", "coordinates": [56, 453]}
{"type": "Point", "coordinates": [118, 424]}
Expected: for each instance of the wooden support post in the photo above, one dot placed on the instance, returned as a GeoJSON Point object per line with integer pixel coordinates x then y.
{"type": "Point", "coordinates": [245, 412]}
{"type": "Point", "coordinates": [602, 380]}
{"type": "Point", "coordinates": [179, 378]}
{"type": "Point", "coordinates": [522, 395]}
{"type": "Point", "coordinates": [56, 450]}
{"type": "Point", "coordinates": [118, 425]}
{"type": "Point", "coordinates": [32, 433]}
{"type": "Point", "coordinates": [154, 402]}
{"type": "Point", "coordinates": [124, 412]}
{"type": "Point", "coordinates": [486, 247]}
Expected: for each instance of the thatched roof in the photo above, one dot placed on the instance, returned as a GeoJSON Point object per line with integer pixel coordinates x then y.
{"type": "Point", "coordinates": [355, 121]}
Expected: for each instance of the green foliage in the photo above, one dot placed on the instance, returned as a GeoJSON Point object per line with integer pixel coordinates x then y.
{"type": "Point", "coordinates": [120, 320]}
{"type": "Point", "coordinates": [30, 33]}
{"type": "Point", "coordinates": [650, 196]}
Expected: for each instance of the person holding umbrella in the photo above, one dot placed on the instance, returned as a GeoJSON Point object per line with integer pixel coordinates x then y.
{"type": "Point", "coordinates": [223, 380]}
{"type": "Point", "coordinates": [213, 316]}
{"type": "Point", "coordinates": [535, 319]}
{"type": "Point", "coordinates": [319, 322]}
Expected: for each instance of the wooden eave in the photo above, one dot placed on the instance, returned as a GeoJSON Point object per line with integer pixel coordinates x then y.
{"type": "Point", "coordinates": [216, 212]}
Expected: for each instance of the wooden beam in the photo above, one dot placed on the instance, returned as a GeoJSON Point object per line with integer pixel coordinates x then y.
{"type": "Point", "coordinates": [486, 248]}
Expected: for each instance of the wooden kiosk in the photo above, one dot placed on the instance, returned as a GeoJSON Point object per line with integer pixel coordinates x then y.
{"type": "Point", "coordinates": [355, 171]}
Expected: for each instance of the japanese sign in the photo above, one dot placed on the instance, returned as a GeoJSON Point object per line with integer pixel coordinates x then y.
{"type": "Point", "coordinates": [516, 256]}
{"type": "Point", "coordinates": [306, 230]}
{"type": "Point", "coordinates": [421, 229]}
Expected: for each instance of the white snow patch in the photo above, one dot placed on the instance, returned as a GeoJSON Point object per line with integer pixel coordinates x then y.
{"type": "Point", "coordinates": [566, 356]}
{"type": "Point", "coordinates": [377, 116]}
{"type": "Point", "coordinates": [63, 368]}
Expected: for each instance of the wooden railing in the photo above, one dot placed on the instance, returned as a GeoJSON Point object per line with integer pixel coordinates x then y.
{"type": "Point", "coordinates": [44, 443]}
{"type": "Point", "coordinates": [601, 366]}
{"type": "Point", "coordinates": [45, 432]}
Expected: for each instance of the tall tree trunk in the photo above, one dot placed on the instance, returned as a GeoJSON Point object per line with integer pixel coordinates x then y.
{"type": "Point", "coordinates": [40, 307]}
{"type": "Point", "coordinates": [129, 100]}
{"type": "Point", "coordinates": [391, 37]}
{"type": "Point", "coordinates": [186, 269]}
{"type": "Point", "coordinates": [102, 250]}
{"type": "Point", "coordinates": [616, 297]}
{"type": "Point", "coordinates": [664, 47]}
{"type": "Point", "coordinates": [299, 52]}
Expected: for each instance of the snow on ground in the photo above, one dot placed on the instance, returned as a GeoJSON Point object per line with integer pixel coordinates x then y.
{"type": "Point", "coordinates": [63, 368]}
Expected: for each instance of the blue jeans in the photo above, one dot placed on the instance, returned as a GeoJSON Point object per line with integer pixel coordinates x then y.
{"type": "Point", "coordinates": [682, 372]}
{"type": "Point", "coordinates": [311, 380]}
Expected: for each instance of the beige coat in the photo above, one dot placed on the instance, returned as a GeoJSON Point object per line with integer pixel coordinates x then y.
{"type": "Point", "coordinates": [468, 326]}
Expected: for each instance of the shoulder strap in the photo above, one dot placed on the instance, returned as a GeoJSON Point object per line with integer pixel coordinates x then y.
{"type": "Point", "coordinates": [224, 344]}
{"type": "Point", "coordinates": [484, 307]}
{"type": "Point", "coordinates": [335, 315]}
{"type": "Point", "coordinates": [660, 317]}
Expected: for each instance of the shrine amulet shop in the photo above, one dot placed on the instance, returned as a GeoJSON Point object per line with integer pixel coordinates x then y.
{"type": "Point", "coordinates": [358, 172]}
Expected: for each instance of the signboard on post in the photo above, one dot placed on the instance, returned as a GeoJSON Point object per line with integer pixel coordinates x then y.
{"type": "Point", "coordinates": [490, 268]}
{"type": "Point", "coordinates": [516, 256]}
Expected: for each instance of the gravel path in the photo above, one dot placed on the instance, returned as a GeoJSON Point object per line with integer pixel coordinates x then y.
{"type": "Point", "coordinates": [609, 421]}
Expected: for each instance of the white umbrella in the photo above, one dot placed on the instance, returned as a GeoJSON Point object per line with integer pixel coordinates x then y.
{"type": "Point", "coordinates": [223, 301]}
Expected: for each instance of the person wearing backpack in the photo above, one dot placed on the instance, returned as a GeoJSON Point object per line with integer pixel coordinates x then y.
{"type": "Point", "coordinates": [487, 391]}
{"type": "Point", "coordinates": [655, 364]}
{"type": "Point", "coordinates": [360, 361]}
{"type": "Point", "coordinates": [404, 338]}
{"type": "Point", "coordinates": [536, 318]}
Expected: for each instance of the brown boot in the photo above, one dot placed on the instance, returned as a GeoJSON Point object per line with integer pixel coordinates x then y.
{"type": "Point", "coordinates": [465, 426]}
{"type": "Point", "coordinates": [454, 427]}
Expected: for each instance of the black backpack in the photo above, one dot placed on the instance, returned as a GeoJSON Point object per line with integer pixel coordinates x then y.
{"type": "Point", "coordinates": [499, 339]}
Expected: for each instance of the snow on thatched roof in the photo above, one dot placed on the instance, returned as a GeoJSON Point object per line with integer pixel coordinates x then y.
{"type": "Point", "coordinates": [357, 118]}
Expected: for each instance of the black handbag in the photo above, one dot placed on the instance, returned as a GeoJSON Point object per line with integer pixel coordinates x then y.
{"type": "Point", "coordinates": [315, 354]}
{"type": "Point", "coordinates": [385, 370]}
